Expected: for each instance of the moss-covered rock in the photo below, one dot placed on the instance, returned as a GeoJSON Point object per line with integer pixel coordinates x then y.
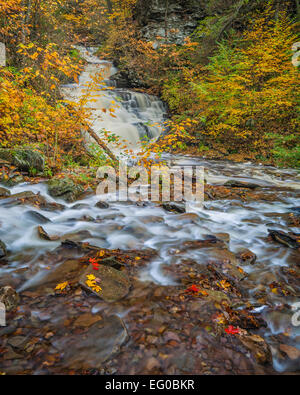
{"type": "Point", "coordinates": [24, 159]}
{"type": "Point", "coordinates": [65, 188]}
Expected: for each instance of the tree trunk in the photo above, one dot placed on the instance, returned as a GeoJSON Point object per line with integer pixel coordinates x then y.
{"type": "Point", "coordinates": [102, 144]}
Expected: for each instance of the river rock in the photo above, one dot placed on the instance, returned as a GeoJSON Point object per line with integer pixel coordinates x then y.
{"type": "Point", "coordinates": [3, 249]}
{"type": "Point", "coordinates": [283, 238]}
{"type": "Point", "coordinates": [4, 192]}
{"type": "Point", "coordinates": [9, 297]}
{"type": "Point", "coordinates": [240, 184]}
{"type": "Point", "coordinates": [258, 348]}
{"type": "Point", "coordinates": [65, 188]}
{"type": "Point", "coordinates": [44, 235]}
{"type": "Point", "coordinates": [292, 352]}
{"type": "Point", "coordinates": [102, 205]}
{"type": "Point", "coordinates": [32, 199]}
{"type": "Point", "coordinates": [174, 207]}
{"type": "Point", "coordinates": [37, 217]}
{"type": "Point", "coordinates": [246, 257]}
{"type": "Point", "coordinates": [89, 351]}
{"type": "Point", "coordinates": [115, 284]}
{"type": "Point", "coordinates": [24, 159]}
{"type": "Point", "coordinates": [13, 180]}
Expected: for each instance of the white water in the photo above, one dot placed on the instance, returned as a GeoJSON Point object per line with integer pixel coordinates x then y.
{"type": "Point", "coordinates": [136, 115]}
{"type": "Point", "coordinates": [128, 226]}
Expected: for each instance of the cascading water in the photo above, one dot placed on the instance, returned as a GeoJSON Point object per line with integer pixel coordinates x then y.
{"type": "Point", "coordinates": [127, 226]}
{"type": "Point", "coordinates": [136, 116]}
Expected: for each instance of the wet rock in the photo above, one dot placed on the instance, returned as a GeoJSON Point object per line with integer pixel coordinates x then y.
{"type": "Point", "coordinates": [174, 207]}
{"type": "Point", "coordinates": [11, 355]}
{"type": "Point", "coordinates": [13, 180]}
{"type": "Point", "coordinates": [3, 249]}
{"type": "Point", "coordinates": [78, 236]}
{"type": "Point", "coordinates": [37, 217]}
{"type": "Point", "coordinates": [258, 348]}
{"type": "Point", "coordinates": [44, 235]}
{"type": "Point", "coordinates": [9, 297]}
{"type": "Point", "coordinates": [246, 256]}
{"type": "Point", "coordinates": [292, 352]}
{"type": "Point", "coordinates": [240, 184]}
{"type": "Point", "coordinates": [65, 188]}
{"type": "Point", "coordinates": [102, 205]}
{"type": "Point", "coordinates": [70, 270]}
{"type": "Point", "coordinates": [115, 284]}
{"type": "Point", "coordinates": [4, 192]}
{"type": "Point", "coordinates": [224, 237]}
{"type": "Point", "coordinates": [209, 242]}
{"type": "Point", "coordinates": [32, 199]}
{"type": "Point", "coordinates": [80, 206]}
{"type": "Point", "coordinates": [24, 159]}
{"type": "Point", "coordinates": [17, 341]}
{"type": "Point", "coordinates": [86, 320]}
{"type": "Point", "coordinates": [89, 351]}
{"type": "Point", "coordinates": [285, 239]}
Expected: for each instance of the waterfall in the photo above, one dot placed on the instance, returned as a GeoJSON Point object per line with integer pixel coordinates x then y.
{"type": "Point", "coordinates": [136, 116]}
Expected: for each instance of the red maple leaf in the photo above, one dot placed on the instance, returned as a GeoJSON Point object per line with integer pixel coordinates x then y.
{"type": "Point", "coordinates": [192, 288]}
{"type": "Point", "coordinates": [231, 330]}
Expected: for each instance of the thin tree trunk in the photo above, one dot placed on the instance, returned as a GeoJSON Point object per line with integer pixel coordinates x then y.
{"type": "Point", "coordinates": [102, 144]}
{"type": "Point", "coordinates": [109, 6]}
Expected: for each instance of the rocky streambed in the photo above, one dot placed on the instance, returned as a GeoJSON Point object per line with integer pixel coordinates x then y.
{"type": "Point", "coordinates": [137, 288]}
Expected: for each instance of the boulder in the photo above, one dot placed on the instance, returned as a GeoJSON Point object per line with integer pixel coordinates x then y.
{"type": "Point", "coordinates": [9, 297]}
{"type": "Point", "coordinates": [24, 159]}
{"type": "Point", "coordinates": [65, 188]}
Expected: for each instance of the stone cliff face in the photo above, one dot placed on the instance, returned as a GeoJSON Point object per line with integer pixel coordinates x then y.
{"type": "Point", "coordinates": [172, 19]}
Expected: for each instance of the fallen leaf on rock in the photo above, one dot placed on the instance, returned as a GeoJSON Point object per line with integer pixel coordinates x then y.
{"type": "Point", "coordinates": [231, 330]}
{"type": "Point", "coordinates": [61, 286]}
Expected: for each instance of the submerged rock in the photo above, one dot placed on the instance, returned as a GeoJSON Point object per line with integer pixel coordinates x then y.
{"type": "Point", "coordinates": [3, 249]}
{"type": "Point", "coordinates": [102, 340]}
{"type": "Point", "coordinates": [65, 188]}
{"type": "Point", "coordinates": [24, 159]}
{"type": "Point", "coordinates": [9, 297]}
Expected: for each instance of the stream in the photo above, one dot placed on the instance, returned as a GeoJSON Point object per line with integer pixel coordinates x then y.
{"type": "Point", "coordinates": [128, 226]}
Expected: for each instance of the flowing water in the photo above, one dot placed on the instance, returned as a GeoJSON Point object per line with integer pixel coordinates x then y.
{"type": "Point", "coordinates": [128, 226]}
{"type": "Point", "coordinates": [136, 116]}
